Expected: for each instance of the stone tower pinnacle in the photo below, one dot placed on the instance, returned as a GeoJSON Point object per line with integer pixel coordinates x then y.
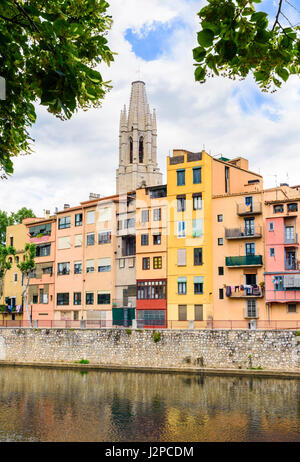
{"type": "Point", "coordinates": [138, 145]}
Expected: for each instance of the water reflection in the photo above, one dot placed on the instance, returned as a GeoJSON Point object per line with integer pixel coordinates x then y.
{"type": "Point", "coordinates": [67, 405]}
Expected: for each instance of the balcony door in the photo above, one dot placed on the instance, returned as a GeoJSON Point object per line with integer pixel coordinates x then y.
{"type": "Point", "coordinates": [249, 227]}
{"type": "Point", "coordinates": [250, 249]}
{"type": "Point", "coordinates": [290, 259]}
{"type": "Point", "coordinates": [290, 234]}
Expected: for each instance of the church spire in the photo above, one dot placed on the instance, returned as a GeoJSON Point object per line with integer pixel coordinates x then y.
{"type": "Point", "coordinates": [138, 133]}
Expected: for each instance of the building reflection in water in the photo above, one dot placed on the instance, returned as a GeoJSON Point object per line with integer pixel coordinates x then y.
{"type": "Point", "coordinates": [67, 405]}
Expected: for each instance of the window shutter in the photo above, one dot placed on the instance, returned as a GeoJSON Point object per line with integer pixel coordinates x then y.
{"type": "Point", "coordinates": [181, 257]}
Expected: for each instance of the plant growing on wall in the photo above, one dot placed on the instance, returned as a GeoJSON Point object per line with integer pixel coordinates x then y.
{"type": "Point", "coordinates": [6, 255]}
{"type": "Point", "coordinates": [26, 267]}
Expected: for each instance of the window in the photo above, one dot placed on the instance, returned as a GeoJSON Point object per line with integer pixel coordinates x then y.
{"type": "Point", "coordinates": [182, 312]}
{"type": "Point", "coordinates": [128, 246]}
{"type": "Point", "coordinates": [198, 312]}
{"type": "Point", "coordinates": [104, 265]}
{"type": "Point", "coordinates": [221, 294]}
{"type": "Point", "coordinates": [272, 252]}
{"type": "Point", "coordinates": [152, 317]}
{"type": "Point", "coordinates": [278, 283]}
{"type": "Point", "coordinates": [157, 239]}
{"type": "Point", "coordinates": [251, 309]}
{"type": "Point", "coordinates": [146, 263]}
{"type": "Point", "coordinates": [181, 283]}
{"type": "Point", "coordinates": [180, 203]}
{"type": "Point", "coordinates": [119, 226]}
{"type": "Point", "coordinates": [63, 268]}
{"type": "Point", "coordinates": [278, 208]}
{"type": "Point", "coordinates": [220, 218]}
{"type": "Point", "coordinates": [77, 267]}
{"type": "Point", "coordinates": [198, 257]}
{"type": "Point", "coordinates": [77, 298]}
{"type": "Point", "coordinates": [157, 262]}
{"type": "Point", "coordinates": [197, 201]}
{"type": "Point", "coordinates": [122, 263]}
{"type": "Point", "coordinates": [180, 177]}
{"type": "Point", "coordinates": [292, 307]}
{"type": "Point", "coordinates": [90, 266]}
{"type": "Point", "coordinates": [145, 216]}
{"type": "Point", "coordinates": [152, 290]}
{"type": "Point", "coordinates": [103, 299]}
{"type": "Point", "coordinates": [250, 248]}
{"type": "Point", "coordinates": [197, 175]}
{"type": "Point", "coordinates": [180, 229]}
{"type": "Point", "coordinates": [181, 257]}
{"type": "Point", "coordinates": [141, 150]}
{"type": "Point", "coordinates": [197, 227]}
{"type": "Point", "coordinates": [104, 214]}
{"type": "Point", "coordinates": [64, 222]}
{"type": "Point", "coordinates": [249, 226]}
{"type": "Point", "coordinates": [104, 238]}
{"type": "Point", "coordinates": [89, 298]}
{"type": "Point", "coordinates": [90, 239]}
{"type": "Point", "coordinates": [226, 179]}
{"type": "Point", "coordinates": [157, 214]}
{"type": "Point", "coordinates": [198, 285]}
{"type": "Point", "coordinates": [35, 299]}
{"type": "Point", "coordinates": [221, 270]}
{"type": "Point", "coordinates": [130, 150]}
{"type": "Point", "coordinates": [17, 259]}
{"type": "Point", "coordinates": [11, 240]}
{"type": "Point", "coordinates": [15, 277]}
{"type": "Point", "coordinates": [62, 299]}
{"type": "Point", "coordinates": [271, 226]}
{"type": "Point", "coordinates": [64, 243]}
{"type": "Point", "coordinates": [75, 315]}
{"type": "Point", "coordinates": [78, 240]}
{"type": "Point", "coordinates": [90, 217]}
{"type": "Point", "coordinates": [144, 239]}
{"type": "Point", "coordinates": [129, 223]}
{"type": "Point", "coordinates": [43, 250]}
{"type": "Point", "coordinates": [220, 241]}
{"type": "Point", "coordinates": [78, 219]}
{"type": "Point", "coordinates": [41, 230]}
{"type": "Point", "coordinates": [292, 207]}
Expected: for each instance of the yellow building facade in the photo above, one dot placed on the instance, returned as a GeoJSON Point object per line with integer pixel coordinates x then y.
{"type": "Point", "coordinates": [189, 270]}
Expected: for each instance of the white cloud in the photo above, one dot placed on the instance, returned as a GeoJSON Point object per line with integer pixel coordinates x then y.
{"type": "Point", "coordinates": [80, 156]}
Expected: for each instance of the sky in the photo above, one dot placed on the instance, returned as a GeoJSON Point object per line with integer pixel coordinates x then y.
{"type": "Point", "coordinates": [154, 41]}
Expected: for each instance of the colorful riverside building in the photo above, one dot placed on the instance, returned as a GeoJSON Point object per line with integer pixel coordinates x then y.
{"type": "Point", "coordinates": [151, 256]}
{"type": "Point", "coordinates": [282, 271]}
{"type": "Point", "coordinates": [200, 191]}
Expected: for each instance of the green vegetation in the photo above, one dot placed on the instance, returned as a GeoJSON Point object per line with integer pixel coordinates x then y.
{"type": "Point", "coordinates": [48, 53]}
{"type": "Point", "coordinates": [12, 219]}
{"type": "Point", "coordinates": [297, 333]}
{"type": "Point", "coordinates": [128, 331]}
{"type": "Point", "coordinates": [259, 368]}
{"type": "Point", "coordinates": [82, 361]}
{"type": "Point", "coordinates": [237, 40]}
{"type": "Point", "coordinates": [156, 337]}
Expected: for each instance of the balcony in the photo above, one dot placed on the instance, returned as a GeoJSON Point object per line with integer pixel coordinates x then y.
{"type": "Point", "coordinates": [246, 260]}
{"type": "Point", "coordinates": [243, 233]}
{"type": "Point", "coordinates": [247, 292]}
{"type": "Point", "coordinates": [253, 209]}
{"type": "Point", "coordinates": [291, 265]}
{"type": "Point", "coordinates": [291, 239]}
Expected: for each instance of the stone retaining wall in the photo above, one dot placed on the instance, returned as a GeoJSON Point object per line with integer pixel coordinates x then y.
{"type": "Point", "coordinates": [237, 349]}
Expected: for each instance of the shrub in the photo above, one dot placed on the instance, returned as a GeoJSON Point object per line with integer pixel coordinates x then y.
{"type": "Point", "coordinates": [128, 331]}
{"type": "Point", "coordinates": [82, 361]}
{"type": "Point", "coordinates": [156, 337]}
{"type": "Point", "coordinates": [297, 333]}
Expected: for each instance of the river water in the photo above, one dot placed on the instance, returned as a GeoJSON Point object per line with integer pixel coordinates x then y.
{"type": "Point", "coordinates": [38, 404]}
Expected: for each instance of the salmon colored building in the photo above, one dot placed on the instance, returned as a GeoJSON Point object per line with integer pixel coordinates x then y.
{"type": "Point", "coordinates": [151, 256]}
{"type": "Point", "coordinates": [85, 261]}
{"type": "Point", "coordinates": [41, 291]}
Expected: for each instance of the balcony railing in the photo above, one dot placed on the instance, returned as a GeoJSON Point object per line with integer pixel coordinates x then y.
{"type": "Point", "coordinates": [254, 209]}
{"type": "Point", "coordinates": [294, 265]}
{"type": "Point", "coordinates": [247, 260]}
{"type": "Point", "coordinates": [291, 239]}
{"type": "Point", "coordinates": [243, 233]}
{"type": "Point", "coordinates": [248, 292]}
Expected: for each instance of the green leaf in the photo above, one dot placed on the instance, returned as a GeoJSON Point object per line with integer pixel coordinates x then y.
{"type": "Point", "coordinates": [199, 53]}
{"type": "Point", "coordinates": [283, 73]}
{"type": "Point", "coordinates": [199, 74]}
{"type": "Point", "coordinates": [206, 38]}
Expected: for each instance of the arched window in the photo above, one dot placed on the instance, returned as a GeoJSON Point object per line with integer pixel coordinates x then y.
{"type": "Point", "coordinates": [130, 150]}
{"type": "Point", "coordinates": [141, 150]}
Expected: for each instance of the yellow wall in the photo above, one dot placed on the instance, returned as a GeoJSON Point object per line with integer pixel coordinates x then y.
{"type": "Point", "coordinates": [189, 242]}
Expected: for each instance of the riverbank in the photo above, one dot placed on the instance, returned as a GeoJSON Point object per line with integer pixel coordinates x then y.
{"type": "Point", "coordinates": [170, 370]}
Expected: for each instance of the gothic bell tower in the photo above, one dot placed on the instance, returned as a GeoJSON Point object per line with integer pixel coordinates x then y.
{"type": "Point", "coordinates": [138, 145]}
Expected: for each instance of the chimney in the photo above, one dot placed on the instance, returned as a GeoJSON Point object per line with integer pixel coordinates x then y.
{"type": "Point", "coordinates": [66, 206]}
{"type": "Point", "coordinates": [94, 196]}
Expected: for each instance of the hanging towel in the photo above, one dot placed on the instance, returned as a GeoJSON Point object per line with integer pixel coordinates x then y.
{"type": "Point", "coordinates": [228, 291]}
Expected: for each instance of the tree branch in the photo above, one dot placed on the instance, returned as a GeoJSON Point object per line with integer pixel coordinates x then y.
{"type": "Point", "coordinates": [277, 15]}
{"type": "Point", "coordinates": [13, 20]}
{"type": "Point", "coordinates": [27, 16]}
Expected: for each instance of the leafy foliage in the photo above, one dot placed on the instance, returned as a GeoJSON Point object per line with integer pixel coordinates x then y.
{"type": "Point", "coordinates": [236, 40]}
{"type": "Point", "coordinates": [6, 256]}
{"type": "Point", "coordinates": [27, 265]}
{"type": "Point", "coordinates": [48, 52]}
{"type": "Point", "coordinates": [12, 219]}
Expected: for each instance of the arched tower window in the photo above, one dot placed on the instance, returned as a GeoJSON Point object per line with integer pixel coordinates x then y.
{"type": "Point", "coordinates": [130, 150]}
{"type": "Point", "coordinates": [141, 150]}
